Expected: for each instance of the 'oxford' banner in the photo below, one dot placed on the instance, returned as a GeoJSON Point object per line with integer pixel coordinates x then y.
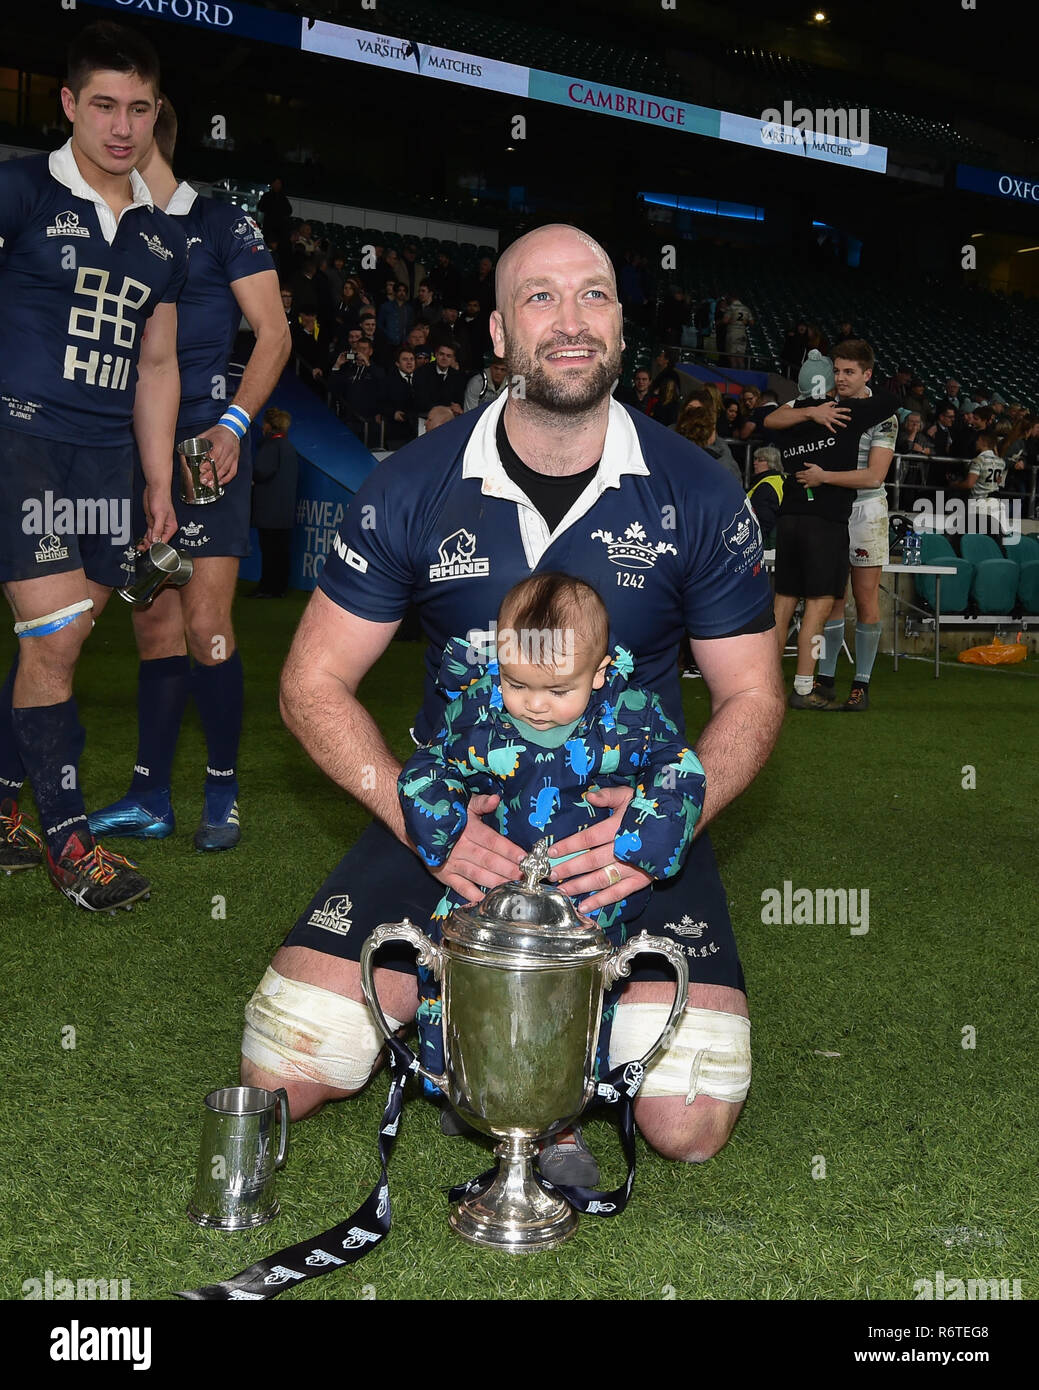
{"type": "Point", "coordinates": [245, 21]}
{"type": "Point", "coordinates": [997, 185]}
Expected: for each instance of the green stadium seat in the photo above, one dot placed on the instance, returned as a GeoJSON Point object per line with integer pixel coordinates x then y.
{"type": "Point", "coordinates": [995, 585]}
{"type": "Point", "coordinates": [956, 587]}
{"type": "Point", "coordinates": [978, 549]}
{"type": "Point", "coordinates": [935, 549]}
{"type": "Point", "coordinates": [1028, 586]}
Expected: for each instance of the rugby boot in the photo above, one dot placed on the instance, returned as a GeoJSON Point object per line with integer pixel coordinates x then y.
{"type": "Point", "coordinates": [95, 878]}
{"type": "Point", "coordinates": [856, 703]}
{"type": "Point", "coordinates": [149, 817]}
{"type": "Point", "coordinates": [567, 1161]}
{"type": "Point", "coordinates": [219, 827]}
{"type": "Point", "coordinates": [818, 699]}
{"type": "Point", "coordinates": [19, 847]}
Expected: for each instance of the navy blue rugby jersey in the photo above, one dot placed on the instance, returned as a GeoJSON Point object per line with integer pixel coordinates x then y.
{"type": "Point", "coordinates": [224, 245]}
{"type": "Point", "coordinates": [76, 290]}
{"type": "Point", "coordinates": [663, 533]}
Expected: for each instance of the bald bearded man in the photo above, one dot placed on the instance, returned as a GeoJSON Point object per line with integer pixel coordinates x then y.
{"type": "Point", "coordinates": [552, 475]}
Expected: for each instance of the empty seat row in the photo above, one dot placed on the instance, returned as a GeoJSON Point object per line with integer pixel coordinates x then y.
{"type": "Point", "coordinates": [996, 582]}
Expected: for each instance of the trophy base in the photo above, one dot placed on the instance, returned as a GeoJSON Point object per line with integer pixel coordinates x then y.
{"type": "Point", "coordinates": [244, 1221]}
{"type": "Point", "coordinates": [199, 500]}
{"type": "Point", "coordinates": [515, 1213]}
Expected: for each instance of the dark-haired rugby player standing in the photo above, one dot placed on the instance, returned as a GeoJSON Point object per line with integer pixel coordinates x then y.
{"type": "Point", "coordinates": [90, 270]}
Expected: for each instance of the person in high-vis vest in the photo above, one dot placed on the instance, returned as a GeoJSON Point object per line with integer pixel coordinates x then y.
{"type": "Point", "coordinates": [766, 493]}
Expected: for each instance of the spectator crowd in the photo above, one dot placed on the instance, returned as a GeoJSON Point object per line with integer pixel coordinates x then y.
{"type": "Point", "coordinates": [396, 347]}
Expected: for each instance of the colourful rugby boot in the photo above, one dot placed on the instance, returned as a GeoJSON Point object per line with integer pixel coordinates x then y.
{"type": "Point", "coordinates": [95, 878]}
{"type": "Point", "coordinates": [19, 847]}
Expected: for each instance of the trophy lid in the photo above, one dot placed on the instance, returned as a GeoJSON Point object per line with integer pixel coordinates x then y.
{"type": "Point", "coordinates": [528, 919]}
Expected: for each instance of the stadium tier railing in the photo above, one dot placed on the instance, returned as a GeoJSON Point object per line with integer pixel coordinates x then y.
{"type": "Point", "coordinates": [898, 482]}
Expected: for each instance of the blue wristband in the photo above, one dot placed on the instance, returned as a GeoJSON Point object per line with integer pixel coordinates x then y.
{"type": "Point", "coordinates": [236, 420]}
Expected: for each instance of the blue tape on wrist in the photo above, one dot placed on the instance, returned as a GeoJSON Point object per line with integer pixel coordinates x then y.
{"type": "Point", "coordinates": [232, 423]}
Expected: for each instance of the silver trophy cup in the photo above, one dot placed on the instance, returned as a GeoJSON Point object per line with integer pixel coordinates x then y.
{"type": "Point", "coordinates": [237, 1161]}
{"type": "Point", "coordinates": [522, 981]}
{"type": "Point", "coordinates": [159, 567]}
{"type": "Point", "coordinates": [198, 484]}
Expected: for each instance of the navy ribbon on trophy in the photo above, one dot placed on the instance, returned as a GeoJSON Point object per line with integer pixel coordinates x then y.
{"type": "Point", "coordinates": [369, 1225]}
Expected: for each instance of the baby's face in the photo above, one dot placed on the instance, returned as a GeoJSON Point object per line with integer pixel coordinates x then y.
{"type": "Point", "coordinates": [544, 696]}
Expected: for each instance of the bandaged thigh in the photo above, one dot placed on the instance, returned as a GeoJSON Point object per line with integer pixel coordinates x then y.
{"type": "Point", "coordinates": [306, 1033]}
{"type": "Point", "coordinates": [709, 1054]}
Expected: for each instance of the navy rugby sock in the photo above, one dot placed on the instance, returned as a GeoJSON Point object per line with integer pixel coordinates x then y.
{"type": "Point", "coordinates": [12, 769]}
{"type": "Point", "coordinates": [162, 693]}
{"type": "Point", "coordinates": [51, 739]}
{"type": "Point", "coordinates": [218, 692]}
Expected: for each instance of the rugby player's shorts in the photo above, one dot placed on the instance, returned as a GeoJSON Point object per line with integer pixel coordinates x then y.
{"type": "Point", "coordinates": [811, 556]}
{"type": "Point", "coordinates": [217, 528]}
{"type": "Point", "coordinates": [380, 880]}
{"type": "Point", "coordinates": [868, 532]}
{"type": "Point", "coordinates": [64, 507]}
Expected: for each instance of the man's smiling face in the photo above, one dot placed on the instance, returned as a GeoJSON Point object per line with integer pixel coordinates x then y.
{"type": "Point", "coordinates": [559, 325]}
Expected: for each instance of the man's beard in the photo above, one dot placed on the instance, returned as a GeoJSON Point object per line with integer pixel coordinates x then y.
{"type": "Point", "coordinates": [563, 395]}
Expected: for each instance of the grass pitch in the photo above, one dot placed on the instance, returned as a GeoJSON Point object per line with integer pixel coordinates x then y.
{"type": "Point", "coordinates": [875, 1147]}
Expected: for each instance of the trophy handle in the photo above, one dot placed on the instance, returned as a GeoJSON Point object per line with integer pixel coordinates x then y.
{"type": "Point", "coordinates": [619, 966]}
{"type": "Point", "coordinates": [282, 1105]}
{"type": "Point", "coordinates": [429, 955]}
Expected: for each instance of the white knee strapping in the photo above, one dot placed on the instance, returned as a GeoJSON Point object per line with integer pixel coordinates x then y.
{"type": "Point", "coordinates": [709, 1054]}
{"type": "Point", "coordinates": [307, 1033]}
{"type": "Point", "coordinates": [53, 622]}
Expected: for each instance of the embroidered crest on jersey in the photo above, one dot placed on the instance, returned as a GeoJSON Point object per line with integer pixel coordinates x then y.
{"type": "Point", "coordinates": [67, 224]}
{"type": "Point", "coordinates": [742, 539]}
{"type": "Point", "coordinates": [632, 550]}
{"type": "Point", "coordinates": [193, 241]}
{"type": "Point", "coordinates": [248, 230]}
{"type": "Point", "coordinates": [156, 247]}
{"type": "Point", "coordinates": [130, 556]}
{"type": "Point", "coordinates": [192, 535]}
{"type": "Point", "coordinates": [458, 558]}
{"type": "Point", "coordinates": [687, 927]}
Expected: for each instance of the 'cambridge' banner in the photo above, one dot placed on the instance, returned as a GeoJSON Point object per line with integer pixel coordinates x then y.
{"type": "Point", "coordinates": [618, 101]}
{"type": "Point", "coordinates": [491, 74]}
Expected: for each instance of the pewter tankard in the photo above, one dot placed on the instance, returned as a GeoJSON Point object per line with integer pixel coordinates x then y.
{"type": "Point", "coordinates": [522, 977]}
{"type": "Point", "coordinates": [234, 1184]}
{"type": "Point", "coordinates": [157, 568]}
{"type": "Point", "coordinates": [196, 487]}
